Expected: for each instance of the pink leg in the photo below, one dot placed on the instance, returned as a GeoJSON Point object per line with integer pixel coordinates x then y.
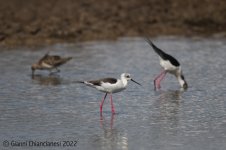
{"type": "Point", "coordinates": [112, 120]}
{"type": "Point", "coordinates": [101, 120]}
{"type": "Point", "coordinates": [112, 106]}
{"type": "Point", "coordinates": [159, 78]}
{"type": "Point", "coordinates": [102, 102]}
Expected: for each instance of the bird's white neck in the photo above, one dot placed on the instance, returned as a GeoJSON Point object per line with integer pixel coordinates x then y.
{"type": "Point", "coordinates": [181, 81]}
{"type": "Point", "coordinates": [124, 81]}
{"type": "Point", "coordinates": [179, 75]}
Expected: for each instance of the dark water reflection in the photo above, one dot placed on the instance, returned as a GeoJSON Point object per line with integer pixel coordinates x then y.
{"type": "Point", "coordinates": [46, 80]}
{"type": "Point", "coordinates": [47, 107]}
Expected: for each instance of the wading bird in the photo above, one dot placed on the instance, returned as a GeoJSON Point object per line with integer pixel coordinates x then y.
{"type": "Point", "coordinates": [109, 86]}
{"type": "Point", "coordinates": [49, 62]}
{"type": "Point", "coordinates": [170, 65]}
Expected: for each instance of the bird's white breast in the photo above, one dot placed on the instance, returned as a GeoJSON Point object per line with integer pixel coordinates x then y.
{"type": "Point", "coordinates": [111, 88]}
{"type": "Point", "coordinates": [168, 66]}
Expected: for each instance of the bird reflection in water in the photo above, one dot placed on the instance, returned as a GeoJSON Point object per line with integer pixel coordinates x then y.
{"type": "Point", "coordinates": [47, 80]}
{"type": "Point", "coordinates": [112, 138]}
{"type": "Point", "coordinates": [169, 104]}
{"type": "Point", "coordinates": [103, 122]}
{"type": "Point", "coordinates": [171, 96]}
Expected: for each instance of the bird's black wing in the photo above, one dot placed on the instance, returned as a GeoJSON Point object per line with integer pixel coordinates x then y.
{"type": "Point", "coordinates": [162, 54]}
{"type": "Point", "coordinates": [105, 80]}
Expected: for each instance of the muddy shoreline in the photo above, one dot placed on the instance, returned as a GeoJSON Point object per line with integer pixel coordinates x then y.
{"type": "Point", "coordinates": [40, 22]}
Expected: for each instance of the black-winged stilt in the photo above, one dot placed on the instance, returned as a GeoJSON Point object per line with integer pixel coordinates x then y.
{"type": "Point", "coordinates": [169, 64]}
{"type": "Point", "coordinates": [109, 86]}
{"type": "Point", "coordinates": [49, 62]}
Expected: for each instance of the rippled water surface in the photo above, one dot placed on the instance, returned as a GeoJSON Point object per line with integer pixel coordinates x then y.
{"type": "Point", "coordinates": [54, 108]}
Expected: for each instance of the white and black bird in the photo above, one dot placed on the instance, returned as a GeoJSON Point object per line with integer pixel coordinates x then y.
{"type": "Point", "coordinates": [109, 86]}
{"type": "Point", "coordinates": [170, 65]}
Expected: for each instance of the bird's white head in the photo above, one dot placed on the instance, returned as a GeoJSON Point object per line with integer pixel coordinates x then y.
{"type": "Point", "coordinates": [183, 82]}
{"type": "Point", "coordinates": [126, 77]}
{"type": "Point", "coordinates": [181, 79]}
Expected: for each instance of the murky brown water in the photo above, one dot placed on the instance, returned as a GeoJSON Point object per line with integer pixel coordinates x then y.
{"type": "Point", "coordinates": [53, 108]}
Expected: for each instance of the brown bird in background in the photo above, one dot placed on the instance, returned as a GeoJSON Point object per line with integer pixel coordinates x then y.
{"type": "Point", "coordinates": [49, 62]}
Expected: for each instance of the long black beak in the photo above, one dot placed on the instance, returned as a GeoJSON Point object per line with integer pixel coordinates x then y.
{"type": "Point", "coordinates": [33, 71]}
{"type": "Point", "coordinates": [136, 82]}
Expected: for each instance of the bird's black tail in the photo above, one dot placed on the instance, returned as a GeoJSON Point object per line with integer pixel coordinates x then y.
{"type": "Point", "coordinates": [79, 82]}
{"type": "Point", "coordinates": [156, 49]}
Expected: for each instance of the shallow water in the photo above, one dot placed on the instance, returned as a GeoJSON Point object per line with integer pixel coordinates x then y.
{"type": "Point", "coordinates": [54, 108]}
